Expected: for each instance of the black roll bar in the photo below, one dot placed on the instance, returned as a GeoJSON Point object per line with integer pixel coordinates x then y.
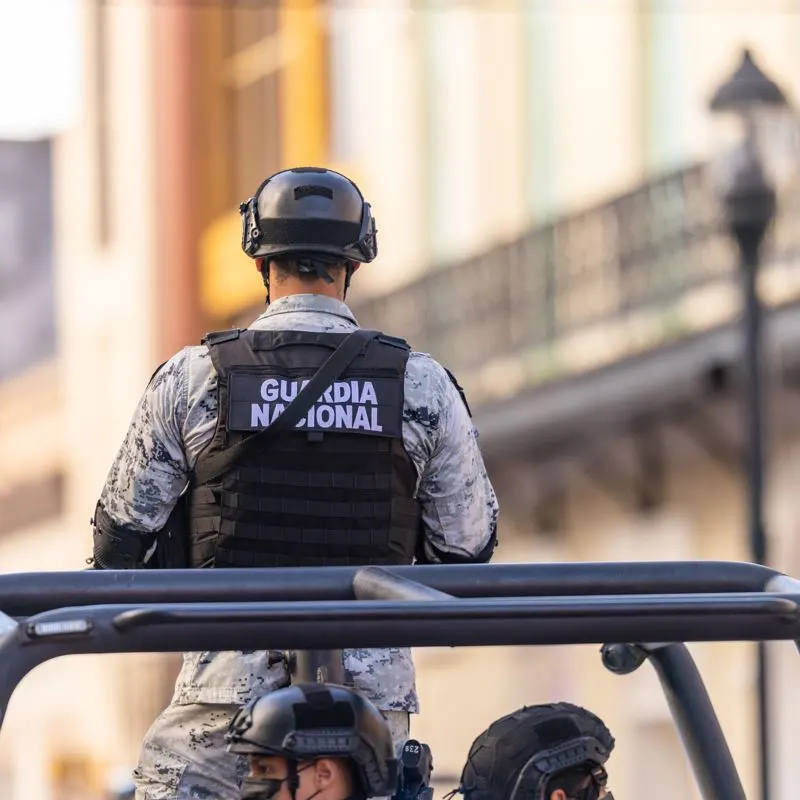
{"type": "Point", "coordinates": [304, 610]}
{"type": "Point", "coordinates": [25, 594]}
{"type": "Point", "coordinates": [692, 712]}
{"type": "Point", "coordinates": [332, 625]}
{"type": "Point", "coordinates": [686, 694]}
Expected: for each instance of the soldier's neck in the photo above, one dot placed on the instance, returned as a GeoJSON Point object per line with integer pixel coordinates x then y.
{"type": "Point", "coordinates": [290, 286]}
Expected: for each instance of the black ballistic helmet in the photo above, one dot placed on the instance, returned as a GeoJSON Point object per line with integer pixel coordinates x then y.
{"type": "Point", "coordinates": [309, 212]}
{"type": "Point", "coordinates": [517, 755]}
{"type": "Point", "coordinates": [304, 722]}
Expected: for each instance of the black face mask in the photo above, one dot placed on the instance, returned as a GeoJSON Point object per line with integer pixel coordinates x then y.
{"type": "Point", "coordinates": [261, 788]}
{"type": "Point", "coordinates": [597, 782]}
{"type": "Point", "coordinates": [267, 788]}
{"type": "Point", "coordinates": [591, 792]}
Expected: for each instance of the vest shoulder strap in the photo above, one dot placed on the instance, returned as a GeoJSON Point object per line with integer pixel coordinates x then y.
{"type": "Point", "coordinates": [459, 389]}
{"type": "Point", "coordinates": [393, 341]}
{"type": "Point", "coordinates": [218, 337]}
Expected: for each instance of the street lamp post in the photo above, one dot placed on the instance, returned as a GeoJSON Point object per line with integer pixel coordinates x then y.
{"type": "Point", "coordinates": [760, 153]}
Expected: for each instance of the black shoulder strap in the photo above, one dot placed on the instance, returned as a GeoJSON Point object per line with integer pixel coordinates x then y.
{"type": "Point", "coordinates": [156, 371]}
{"type": "Point", "coordinates": [459, 390]}
{"type": "Point", "coordinates": [219, 463]}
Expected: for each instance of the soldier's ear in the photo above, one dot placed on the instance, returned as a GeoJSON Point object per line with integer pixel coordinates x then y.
{"type": "Point", "coordinates": [326, 771]}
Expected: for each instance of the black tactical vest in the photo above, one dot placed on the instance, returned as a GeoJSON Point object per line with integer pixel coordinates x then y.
{"type": "Point", "coordinates": [336, 490]}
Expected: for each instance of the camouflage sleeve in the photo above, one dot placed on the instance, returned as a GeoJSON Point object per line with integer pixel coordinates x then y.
{"type": "Point", "coordinates": [459, 505]}
{"type": "Point", "coordinates": [150, 471]}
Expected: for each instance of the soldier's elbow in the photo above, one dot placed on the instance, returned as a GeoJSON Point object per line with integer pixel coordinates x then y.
{"type": "Point", "coordinates": [117, 546]}
{"type": "Point", "coordinates": [485, 555]}
{"type": "Point", "coordinates": [433, 555]}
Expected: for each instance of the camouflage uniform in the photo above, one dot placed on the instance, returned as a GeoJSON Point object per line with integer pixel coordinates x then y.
{"type": "Point", "coordinates": [175, 420]}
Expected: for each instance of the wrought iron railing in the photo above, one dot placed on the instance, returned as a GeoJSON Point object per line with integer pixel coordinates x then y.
{"type": "Point", "coordinates": [640, 252]}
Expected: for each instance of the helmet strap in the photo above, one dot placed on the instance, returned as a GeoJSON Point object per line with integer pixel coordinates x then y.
{"type": "Point", "coordinates": [265, 276]}
{"type": "Point", "coordinates": [292, 779]}
{"type": "Point", "coordinates": [348, 274]}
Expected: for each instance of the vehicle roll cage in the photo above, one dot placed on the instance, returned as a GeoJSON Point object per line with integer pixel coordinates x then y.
{"type": "Point", "coordinates": [637, 611]}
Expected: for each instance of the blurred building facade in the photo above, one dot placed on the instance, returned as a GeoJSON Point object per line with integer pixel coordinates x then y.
{"type": "Point", "coordinates": [542, 231]}
{"type": "Point", "coordinates": [108, 232]}
{"type": "Point", "coordinates": [547, 230]}
{"type": "Point", "coordinates": [94, 287]}
{"type": "Point", "coordinates": [575, 278]}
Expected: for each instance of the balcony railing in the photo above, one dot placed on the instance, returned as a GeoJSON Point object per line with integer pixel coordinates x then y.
{"type": "Point", "coordinates": [586, 289]}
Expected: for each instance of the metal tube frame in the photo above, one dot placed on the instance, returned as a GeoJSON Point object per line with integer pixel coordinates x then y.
{"type": "Point", "coordinates": [691, 709]}
{"type": "Point", "coordinates": [449, 605]}
{"type": "Point", "coordinates": [25, 594]}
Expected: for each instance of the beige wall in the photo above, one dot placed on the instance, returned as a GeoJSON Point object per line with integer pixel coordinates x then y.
{"type": "Point", "coordinates": [595, 75]}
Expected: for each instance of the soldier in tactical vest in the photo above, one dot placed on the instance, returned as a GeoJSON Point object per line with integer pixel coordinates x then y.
{"type": "Point", "coordinates": [545, 752]}
{"type": "Point", "coordinates": [382, 468]}
{"type": "Point", "coordinates": [314, 740]}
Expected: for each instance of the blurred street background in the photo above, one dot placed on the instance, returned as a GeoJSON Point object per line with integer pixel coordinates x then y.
{"type": "Point", "coordinates": [548, 229]}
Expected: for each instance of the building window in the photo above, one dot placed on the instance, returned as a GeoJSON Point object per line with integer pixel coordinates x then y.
{"type": "Point", "coordinates": [346, 90]}
{"type": "Point", "coordinates": [255, 135]}
{"type": "Point", "coordinates": [662, 87]}
{"type": "Point", "coordinates": [451, 46]}
{"type": "Point", "coordinates": [27, 292]}
{"type": "Point", "coordinates": [539, 109]}
{"type": "Point", "coordinates": [253, 53]}
{"type": "Point", "coordinates": [266, 76]}
{"type": "Point", "coordinates": [99, 17]}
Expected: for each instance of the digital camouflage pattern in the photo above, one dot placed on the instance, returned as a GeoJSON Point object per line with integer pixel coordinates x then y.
{"type": "Point", "coordinates": [175, 420]}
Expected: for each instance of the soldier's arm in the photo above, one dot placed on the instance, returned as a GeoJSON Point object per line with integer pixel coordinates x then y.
{"type": "Point", "coordinates": [148, 474]}
{"type": "Point", "coordinates": [459, 505]}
